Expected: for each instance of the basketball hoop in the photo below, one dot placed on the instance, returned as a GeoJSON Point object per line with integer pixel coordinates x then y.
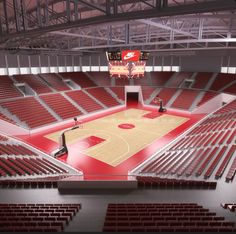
{"type": "Point", "coordinates": [156, 100]}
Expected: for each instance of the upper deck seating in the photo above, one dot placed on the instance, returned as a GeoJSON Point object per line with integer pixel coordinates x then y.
{"type": "Point", "coordinates": [30, 111]}
{"type": "Point", "coordinates": [79, 78]}
{"type": "Point", "coordinates": [7, 88]}
{"type": "Point", "coordinates": [55, 81]}
{"type": "Point", "coordinates": [61, 105]}
{"type": "Point", "coordinates": [34, 81]}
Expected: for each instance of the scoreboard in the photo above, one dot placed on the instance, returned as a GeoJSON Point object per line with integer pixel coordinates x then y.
{"type": "Point", "coordinates": [127, 63]}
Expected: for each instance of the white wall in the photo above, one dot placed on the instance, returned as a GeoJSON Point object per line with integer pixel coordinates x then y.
{"type": "Point", "coordinates": [214, 104]}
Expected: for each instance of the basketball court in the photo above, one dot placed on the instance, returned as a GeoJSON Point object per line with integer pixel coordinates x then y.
{"type": "Point", "coordinates": [115, 138]}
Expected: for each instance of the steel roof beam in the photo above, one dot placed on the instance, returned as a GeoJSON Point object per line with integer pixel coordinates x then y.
{"type": "Point", "coordinates": [85, 36]}
{"type": "Point", "coordinates": [92, 6]}
{"type": "Point", "coordinates": [170, 10]}
{"type": "Point", "coordinates": [159, 25]}
{"type": "Point", "coordinates": [167, 42]}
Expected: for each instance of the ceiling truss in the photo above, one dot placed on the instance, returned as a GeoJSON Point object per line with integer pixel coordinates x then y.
{"type": "Point", "coordinates": [93, 26]}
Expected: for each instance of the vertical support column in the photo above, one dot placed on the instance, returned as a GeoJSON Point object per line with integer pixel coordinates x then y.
{"type": "Point", "coordinates": [16, 14]}
{"type": "Point", "coordinates": [153, 62]}
{"type": "Point", "coordinates": [221, 61]}
{"type": "Point", "coordinates": [108, 7]}
{"type": "Point", "coordinates": [109, 35]}
{"type": "Point", "coordinates": [23, 14]}
{"type": "Point", "coordinates": [76, 14]}
{"type": "Point", "coordinates": [115, 7]}
{"type": "Point", "coordinates": [200, 30]}
{"type": "Point", "coordinates": [171, 62]}
{"type": "Point", "coordinates": [6, 62]}
{"type": "Point", "coordinates": [73, 62]}
{"type": "Point", "coordinates": [99, 62]}
{"type": "Point", "coordinates": [6, 16]}
{"type": "Point", "coordinates": [162, 62]}
{"type": "Point", "coordinates": [90, 62]}
{"type": "Point", "coordinates": [180, 64]}
{"type": "Point", "coordinates": [1, 29]}
{"type": "Point", "coordinates": [80, 63]}
{"type": "Point", "coordinates": [172, 33]}
{"type": "Point", "coordinates": [147, 33]}
{"type": "Point", "coordinates": [18, 63]}
{"type": "Point", "coordinates": [49, 64]}
{"type": "Point", "coordinates": [46, 13]}
{"type": "Point", "coordinates": [68, 12]}
{"type": "Point", "coordinates": [65, 64]}
{"type": "Point", "coordinates": [40, 66]}
{"type": "Point", "coordinates": [29, 62]}
{"type": "Point", "coordinates": [126, 33]}
{"type": "Point", "coordinates": [57, 64]}
{"type": "Point", "coordinates": [228, 63]}
{"type": "Point", "coordinates": [39, 17]}
{"type": "Point", "coordinates": [158, 4]}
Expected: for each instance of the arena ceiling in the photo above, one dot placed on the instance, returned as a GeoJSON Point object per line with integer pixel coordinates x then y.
{"type": "Point", "coordinates": [94, 26]}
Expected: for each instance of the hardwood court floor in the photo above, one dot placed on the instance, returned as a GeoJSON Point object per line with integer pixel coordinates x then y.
{"type": "Point", "coordinates": [82, 144]}
{"type": "Point", "coordinates": [117, 144]}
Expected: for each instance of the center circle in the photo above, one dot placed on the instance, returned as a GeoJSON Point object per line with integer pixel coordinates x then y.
{"type": "Point", "coordinates": [126, 126]}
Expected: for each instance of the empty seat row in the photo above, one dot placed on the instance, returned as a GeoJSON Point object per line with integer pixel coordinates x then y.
{"type": "Point", "coordinates": [7, 88]}
{"type": "Point", "coordinates": [11, 149]}
{"type": "Point", "coordinates": [36, 217]}
{"type": "Point", "coordinates": [60, 105]}
{"type": "Point", "coordinates": [28, 166]}
{"type": "Point", "coordinates": [54, 81]}
{"type": "Point", "coordinates": [22, 108]}
{"type": "Point", "coordinates": [84, 100]}
{"type": "Point", "coordinates": [157, 182]}
{"type": "Point", "coordinates": [154, 218]}
{"type": "Point", "coordinates": [35, 82]}
{"type": "Point", "coordinates": [46, 182]}
{"type": "Point", "coordinates": [79, 78]}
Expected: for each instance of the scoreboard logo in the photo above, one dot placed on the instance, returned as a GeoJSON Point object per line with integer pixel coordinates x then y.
{"type": "Point", "coordinates": [130, 55]}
